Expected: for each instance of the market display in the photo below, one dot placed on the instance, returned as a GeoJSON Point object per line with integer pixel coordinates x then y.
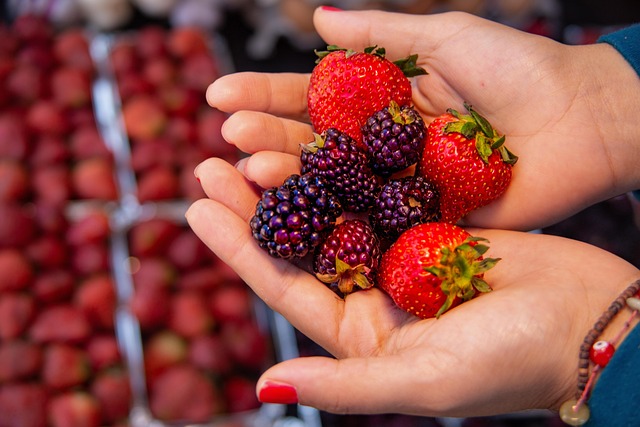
{"type": "Point", "coordinates": [112, 311]}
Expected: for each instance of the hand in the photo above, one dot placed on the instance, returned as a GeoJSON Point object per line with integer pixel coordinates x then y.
{"type": "Point", "coordinates": [568, 112]}
{"type": "Point", "coordinates": [513, 348]}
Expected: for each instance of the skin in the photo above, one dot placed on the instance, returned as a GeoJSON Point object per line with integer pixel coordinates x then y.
{"type": "Point", "coordinates": [514, 348]}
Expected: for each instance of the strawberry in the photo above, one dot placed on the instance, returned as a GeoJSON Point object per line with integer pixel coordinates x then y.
{"type": "Point", "coordinates": [467, 161]}
{"type": "Point", "coordinates": [346, 87]}
{"type": "Point", "coordinates": [433, 267]}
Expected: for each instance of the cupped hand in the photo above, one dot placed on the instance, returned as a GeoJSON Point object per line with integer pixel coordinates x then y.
{"type": "Point", "coordinates": [567, 111]}
{"type": "Point", "coordinates": [513, 348]}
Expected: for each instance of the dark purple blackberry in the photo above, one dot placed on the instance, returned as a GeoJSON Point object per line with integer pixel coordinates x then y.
{"type": "Point", "coordinates": [348, 258]}
{"type": "Point", "coordinates": [337, 157]}
{"type": "Point", "coordinates": [403, 203]}
{"type": "Point", "coordinates": [290, 220]}
{"type": "Point", "coordinates": [393, 137]}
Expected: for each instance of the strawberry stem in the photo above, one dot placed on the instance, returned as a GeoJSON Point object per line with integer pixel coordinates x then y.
{"type": "Point", "coordinates": [409, 66]}
{"type": "Point", "coordinates": [460, 271]}
{"type": "Point", "coordinates": [476, 127]}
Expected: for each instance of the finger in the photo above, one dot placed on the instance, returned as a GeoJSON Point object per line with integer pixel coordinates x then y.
{"type": "Point", "coordinates": [252, 131]}
{"type": "Point", "coordinates": [310, 306]}
{"type": "Point", "coordinates": [268, 168]}
{"type": "Point", "coordinates": [283, 94]}
{"type": "Point", "coordinates": [217, 176]}
{"type": "Point", "coordinates": [399, 33]}
{"type": "Point", "coordinates": [413, 382]}
{"type": "Point", "coordinates": [353, 385]}
{"type": "Point", "coordinates": [396, 32]}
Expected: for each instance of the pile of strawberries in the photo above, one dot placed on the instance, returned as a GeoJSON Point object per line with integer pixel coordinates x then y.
{"type": "Point", "coordinates": [64, 296]}
{"type": "Point", "coordinates": [400, 187]}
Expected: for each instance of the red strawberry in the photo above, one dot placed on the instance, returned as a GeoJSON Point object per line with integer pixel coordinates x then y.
{"type": "Point", "coordinates": [467, 161]}
{"type": "Point", "coordinates": [74, 408]}
{"type": "Point", "coordinates": [184, 393]}
{"type": "Point", "coordinates": [23, 404]}
{"type": "Point", "coordinates": [16, 312]}
{"type": "Point", "coordinates": [19, 360]}
{"type": "Point", "coordinates": [65, 366]}
{"type": "Point", "coordinates": [112, 390]}
{"type": "Point", "coordinates": [347, 87]}
{"type": "Point", "coordinates": [433, 267]}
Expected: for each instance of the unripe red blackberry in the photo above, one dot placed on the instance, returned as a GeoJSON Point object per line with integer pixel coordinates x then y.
{"type": "Point", "coordinates": [337, 157]}
{"type": "Point", "coordinates": [348, 258]}
{"type": "Point", "coordinates": [290, 220]}
{"type": "Point", "coordinates": [393, 137]}
{"type": "Point", "coordinates": [403, 203]}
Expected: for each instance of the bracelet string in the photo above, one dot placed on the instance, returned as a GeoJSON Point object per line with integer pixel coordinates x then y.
{"type": "Point", "coordinates": [575, 412]}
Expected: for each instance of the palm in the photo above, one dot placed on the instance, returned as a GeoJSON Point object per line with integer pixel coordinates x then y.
{"type": "Point", "coordinates": [515, 343]}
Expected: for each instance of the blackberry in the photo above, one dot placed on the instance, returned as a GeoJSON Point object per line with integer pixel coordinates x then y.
{"type": "Point", "coordinates": [348, 258]}
{"type": "Point", "coordinates": [403, 203]}
{"type": "Point", "coordinates": [290, 220]}
{"type": "Point", "coordinates": [393, 137]}
{"type": "Point", "coordinates": [338, 158]}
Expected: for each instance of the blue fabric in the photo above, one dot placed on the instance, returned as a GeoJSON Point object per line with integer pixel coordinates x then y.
{"type": "Point", "coordinates": [615, 400]}
{"type": "Point", "coordinates": [627, 42]}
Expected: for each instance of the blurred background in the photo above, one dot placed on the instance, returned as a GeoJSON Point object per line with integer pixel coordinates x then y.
{"type": "Point", "coordinates": [112, 313]}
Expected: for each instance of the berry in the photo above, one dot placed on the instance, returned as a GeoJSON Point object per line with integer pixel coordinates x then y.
{"type": "Point", "coordinates": [346, 87]}
{"type": "Point", "coordinates": [433, 267]}
{"type": "Point", "coordinates": [349, 257]}
{"type": "Point", "coordinates": [467, 161]}
{"type": "Point", "coordinates": [290, 220]}
{"type": "Point", "coordinates": [393, 137]}
{"type": "Point", "coordinates": [335, 156]}
{"type": "Point", "coordinates": [403, 203]}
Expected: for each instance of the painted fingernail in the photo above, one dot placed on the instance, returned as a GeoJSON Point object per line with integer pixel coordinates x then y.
{"type": "Point", "coordinates": [331, 8]}
{"type": "Point", "coordinates": [274, 392]}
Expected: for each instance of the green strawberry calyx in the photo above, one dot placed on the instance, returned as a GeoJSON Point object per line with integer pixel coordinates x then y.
{"type": "Point", "coordinates": [475, 127]}
{"type": "Point", "coordinates": [461, 269]}
{"type": "Point", "coordinates": [408, 65]}
{"type": "Point", "coordinates": [347, 277]}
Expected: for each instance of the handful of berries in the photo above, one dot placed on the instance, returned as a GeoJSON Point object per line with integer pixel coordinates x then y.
{"type": "Point", "coordinates": [374, 157]}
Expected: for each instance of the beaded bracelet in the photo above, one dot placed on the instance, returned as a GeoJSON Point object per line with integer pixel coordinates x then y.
{"type": "Point", "coordinates": [575, 412]}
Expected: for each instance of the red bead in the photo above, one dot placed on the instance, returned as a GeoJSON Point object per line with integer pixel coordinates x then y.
{"type": "Point", "coordinates": [601, 352]}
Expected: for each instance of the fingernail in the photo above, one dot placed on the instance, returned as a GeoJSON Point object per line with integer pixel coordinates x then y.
{"type": "Point", "coordinates": [331, 8]}
{"type": "Point", "coordinates": [241, 164]}
{"type": "Point", "coordinates": [274, 392]}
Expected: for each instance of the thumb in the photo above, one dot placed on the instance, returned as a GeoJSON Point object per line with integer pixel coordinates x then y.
{"type": "Point", "coordinates": [400, 34]}
{"type": "Point", "coordinates": [351, 385]}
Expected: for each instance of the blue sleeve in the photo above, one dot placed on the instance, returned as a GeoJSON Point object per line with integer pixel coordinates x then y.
{"type": "Point", "coordinates": [627, 42]}
{"type": "Point", "coordinates": [615, 397]}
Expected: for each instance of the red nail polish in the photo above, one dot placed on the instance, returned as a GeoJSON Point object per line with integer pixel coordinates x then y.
{"type": "Point", "coordinates": [198, 178]}
{"type": "Point", "coordinates": [331, 8]}
{"type": "Point", "coordinates": [273, 392]}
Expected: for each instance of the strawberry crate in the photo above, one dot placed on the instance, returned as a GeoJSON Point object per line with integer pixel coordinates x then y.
{"type": "Point", "coordinates": [59, 356]}
{"type": "Point", "coordinates": [156, 79]}
{"type": "Point", "coordinates": [194, 337]}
